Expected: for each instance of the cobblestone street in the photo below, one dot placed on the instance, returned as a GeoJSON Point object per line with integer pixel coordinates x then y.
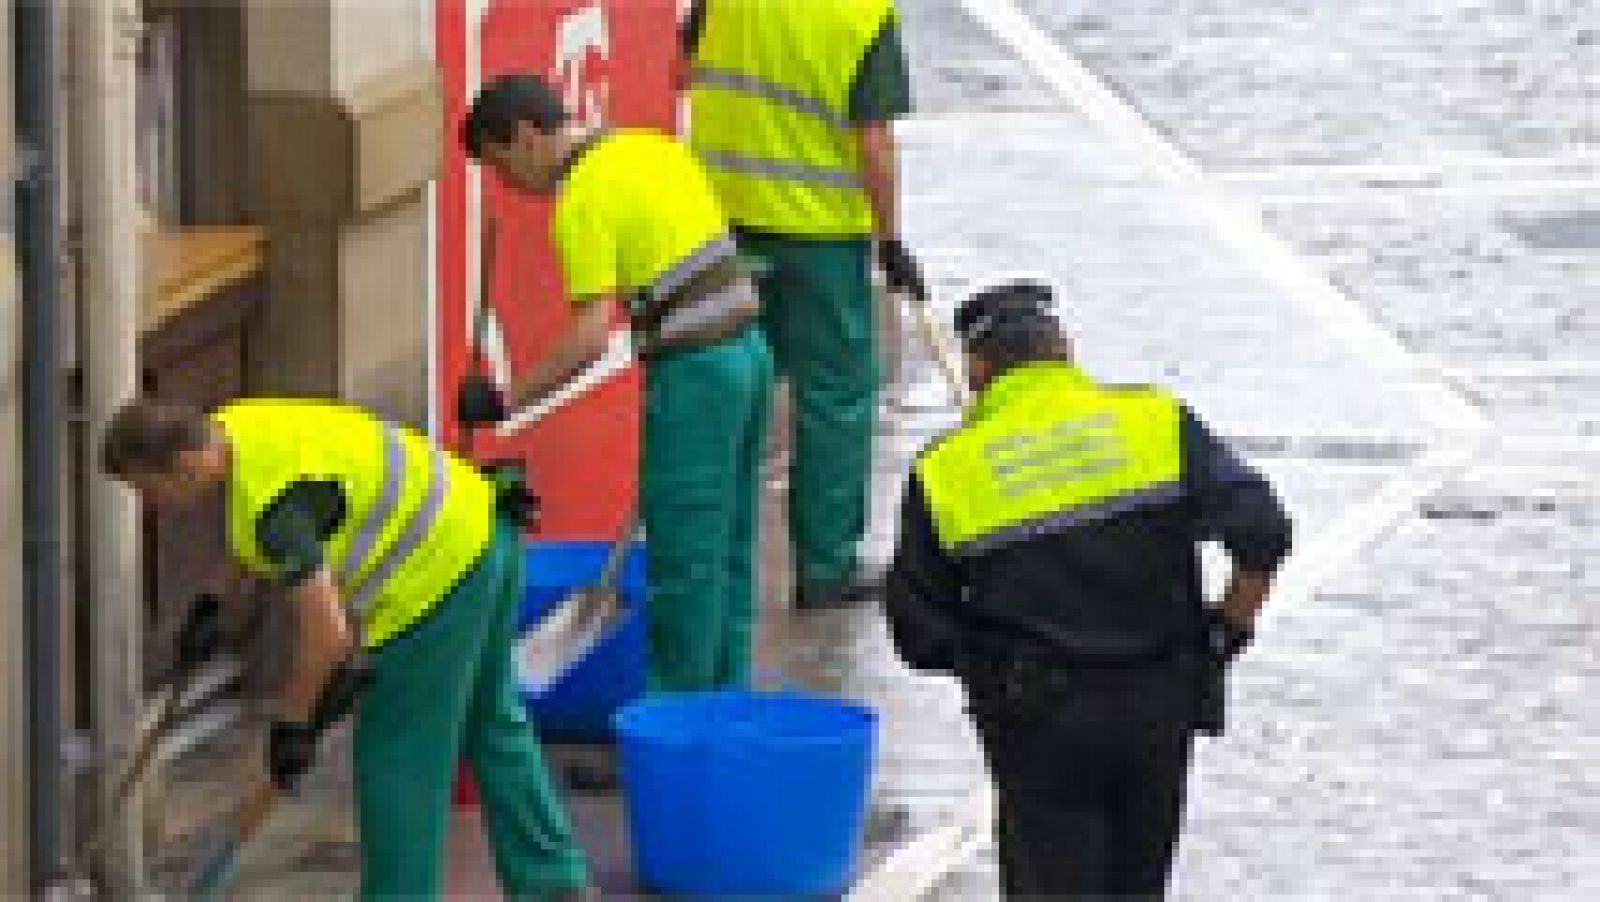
{"type": "Point", "coordinates": [1418, 721]}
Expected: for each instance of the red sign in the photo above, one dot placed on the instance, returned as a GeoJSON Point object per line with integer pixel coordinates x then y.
{"type": "Point", "coordinates": [614, 60]}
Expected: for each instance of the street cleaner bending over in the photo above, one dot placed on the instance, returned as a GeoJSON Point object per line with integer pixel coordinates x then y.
{"type": "Point", "coordinates": [394, 552]}
{"type": "Point", "coordinates": [638, 227]}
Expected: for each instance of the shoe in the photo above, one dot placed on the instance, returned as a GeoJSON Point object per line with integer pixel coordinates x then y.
{"type": "Point", "coordinates": [592, 779]}
{"type": "Point", "coordinates": [887, 825]}
{"type": "Point", "coordinates": [851, 593]}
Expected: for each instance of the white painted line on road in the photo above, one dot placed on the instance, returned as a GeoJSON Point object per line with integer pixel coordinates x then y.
{"type": "Point", "coordinates": [919, 866]}
{"type": "Point", "coordinates": [1491, 166]}
{"type": "Point", "coordinates": [1465, 187]}
{"type": "Point", "coordinates": [1239, 226]}
{"type": "Point", "coordinates": [1334, 548]}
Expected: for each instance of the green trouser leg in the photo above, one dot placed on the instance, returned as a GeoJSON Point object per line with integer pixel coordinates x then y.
{"type": "Point", "coordinates": [819, 315]}
{"type": "Point", "coordinates": [446, 688]}
{"type": "Point", "coordinates": [706, 412]}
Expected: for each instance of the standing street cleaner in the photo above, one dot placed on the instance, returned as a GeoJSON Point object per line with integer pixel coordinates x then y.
{"type": "Point", "coordinates": [1048, 559]}
{"type": "Point", "coordinates": [639, 229]}
{"type": "Point", "coordinates": [792, 106]}
{"type": "Point", "coordinates": [394, 552]}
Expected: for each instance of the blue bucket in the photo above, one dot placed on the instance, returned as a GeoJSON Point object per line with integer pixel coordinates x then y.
{"type": "Point", "coordinates": [581, 705]}
{"type": "Point", "coordinates": [742, 793]}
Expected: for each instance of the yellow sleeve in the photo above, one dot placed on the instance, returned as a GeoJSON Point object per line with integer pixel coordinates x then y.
{"type": "Point", "coordinates": [588, 246]}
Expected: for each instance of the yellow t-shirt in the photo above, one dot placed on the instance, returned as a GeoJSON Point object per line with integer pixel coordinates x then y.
{"type": "Point", "coordinates": [633, 207]}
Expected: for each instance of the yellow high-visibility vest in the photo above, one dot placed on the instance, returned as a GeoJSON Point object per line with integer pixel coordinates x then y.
{"type": "Point", "coordinates": [636, 215]}
{"type": "Point", "coordinates": [772, 82]}
{"type": "Point", "coordinates": [417, 519]}
{"type": "Point", "coordinates": [1046, 449]}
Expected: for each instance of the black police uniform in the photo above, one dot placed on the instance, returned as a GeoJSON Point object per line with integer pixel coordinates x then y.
{"type": "Point", "coordinates": [1081, 653]}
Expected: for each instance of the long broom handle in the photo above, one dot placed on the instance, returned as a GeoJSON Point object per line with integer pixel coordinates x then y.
{"type": "Point", "coordinates": [151, 733]}
{"type": "Point", "coordinates": [612, 571]}
{"type": "Point", "coordinates": [943, 354]}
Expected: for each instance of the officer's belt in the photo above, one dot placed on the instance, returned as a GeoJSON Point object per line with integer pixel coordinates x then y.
{"type": "Point", "coordinates": [1029, 665]}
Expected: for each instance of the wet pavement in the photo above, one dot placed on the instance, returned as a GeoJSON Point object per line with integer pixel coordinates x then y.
{"type": "Point", "coordinates": [1418, 719]}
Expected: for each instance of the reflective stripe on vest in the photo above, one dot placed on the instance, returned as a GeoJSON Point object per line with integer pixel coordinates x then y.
{"type": "Point", "coordinates": [643, 201]}
{"type": "Point", "coordinates": [1048, 451]}
{"type": "Point", "coordinates": [681, 304]}
{"type": "Point", "coordinates": [708, 76]}
{"type": "Point", "coordinates": [417, 530]}
{"type": "Point", "coordinates": [771, 91]}
{"type": "Point", "coordinates": [389, 495]}
{"type": "Point", "coordinates": [417, 519]}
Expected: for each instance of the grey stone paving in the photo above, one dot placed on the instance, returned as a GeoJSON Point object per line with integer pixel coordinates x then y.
{"type": "Point", "coordinates": [1251, 82]}
{"type": "Point", "coordinates": [1425, 726]}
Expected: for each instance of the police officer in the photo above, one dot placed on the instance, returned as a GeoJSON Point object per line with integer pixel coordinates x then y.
{"type": "Point", "coordinates": [639, 228]}
{"type": "Point", "coordinates": [1048, 559]}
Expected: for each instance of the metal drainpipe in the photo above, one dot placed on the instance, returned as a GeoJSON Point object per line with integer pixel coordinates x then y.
{"type": "Point", "coordinates": [43, 463]}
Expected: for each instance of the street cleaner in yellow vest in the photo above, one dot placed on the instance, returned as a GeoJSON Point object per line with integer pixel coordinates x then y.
{"type": "Point", "coordinates": [792, 107]}
{"type": "Point", "coordinates": [638, 228]}
{"type": "Point", "coordinates": [1048, 559]}
{"type": "Point", "coordinates": [395, 553]}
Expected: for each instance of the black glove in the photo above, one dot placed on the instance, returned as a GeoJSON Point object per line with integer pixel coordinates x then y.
{"type": "Point", "coordinates": [515, 498]}
{"type": "Point", "coordinates": [480, 403]}
{"type": "Point", "coordinates": [900, 269]}
{"type": "Point", "coordinates": [291, 750]}
{"type": "Point", "coordinates": [201, 634]}
{"type": "Point", "coordinates": [292, 745]}
{"type": "Point", "coordinates": [1225, 639]}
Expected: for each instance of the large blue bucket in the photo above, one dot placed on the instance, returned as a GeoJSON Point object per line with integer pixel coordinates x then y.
{"type": "Point", "coordinates": [748, 794]}
{"type": "Point", "coordinates": [582, 703]}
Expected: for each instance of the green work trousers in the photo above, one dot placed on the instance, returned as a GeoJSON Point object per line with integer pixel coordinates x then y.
{"type": "Point", "coordinates": [706, 413]}
{"type": "Point", "coordinates": [819, 315]}
{"type": "Point", "coordinates": [445, 689]}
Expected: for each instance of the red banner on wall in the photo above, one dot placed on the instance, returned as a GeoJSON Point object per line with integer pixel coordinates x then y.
{"type": "Point", "coordinates": [614, 61]}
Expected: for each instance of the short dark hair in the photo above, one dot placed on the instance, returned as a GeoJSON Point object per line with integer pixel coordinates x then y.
{"type": "Point", "coordinates": [148, 436]}
{"type": "Point", "coordinates": [504, 103]}
{"type": "Point", "coordinates": [1012, 324]}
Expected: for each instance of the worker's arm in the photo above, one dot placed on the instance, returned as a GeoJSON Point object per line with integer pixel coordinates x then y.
{"type": "Point", "coordinates": [921, 591]}
{"type": "Point", "coordinates": [880, 157]}
{"type": "Point", "coordinates": [1235, 505]}
{"type": "Point", "coordinates": [324, 641]}
{"type": "Point", "coordinates": [583, 342]}
{"type": "Point", "coordinates": [291, 533]}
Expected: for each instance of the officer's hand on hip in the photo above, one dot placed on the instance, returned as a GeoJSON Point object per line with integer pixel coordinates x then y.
{"type": "Point", "coordinates": [291, 751]}
{"type": "Point", "coordinates": [900, 269]}
{"type": "Point", "coordinates": [1226, 639]}
{"type": "Point", "coordinates": [480, 403]}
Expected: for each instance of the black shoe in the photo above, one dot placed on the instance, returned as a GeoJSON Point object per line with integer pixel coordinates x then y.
{"type": "Point", "coordinates": [887, 825]}
{"type": "Point", "coordinates": [590, 778]}
{"type": "Point", "coordinates": [851, 593]}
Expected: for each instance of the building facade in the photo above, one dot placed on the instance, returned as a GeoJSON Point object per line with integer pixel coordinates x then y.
{"type": "Point", "coordinates": [245, 210]}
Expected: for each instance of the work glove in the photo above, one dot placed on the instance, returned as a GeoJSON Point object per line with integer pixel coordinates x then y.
{"type": "Point", "coordinates": [900, 269]}
{"type": "Point", "coordinates": [480, 403]}
{"type": "Point", "coordinates": [1225, 639]}
{"type": "Point", "coordinates": [515, 498]}
{"type": "Point", "coordinates": [292, 745]}
{"type": "Point", "coordinates": [201, 634]}
{"type": "Point", "coordinates": [291, 750]}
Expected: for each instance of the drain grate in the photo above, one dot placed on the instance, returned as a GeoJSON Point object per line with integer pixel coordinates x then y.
{"type": "Point", "coordinates": [1567, 230]}
{"type": "Point", "coordinates": [1352, 449]}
